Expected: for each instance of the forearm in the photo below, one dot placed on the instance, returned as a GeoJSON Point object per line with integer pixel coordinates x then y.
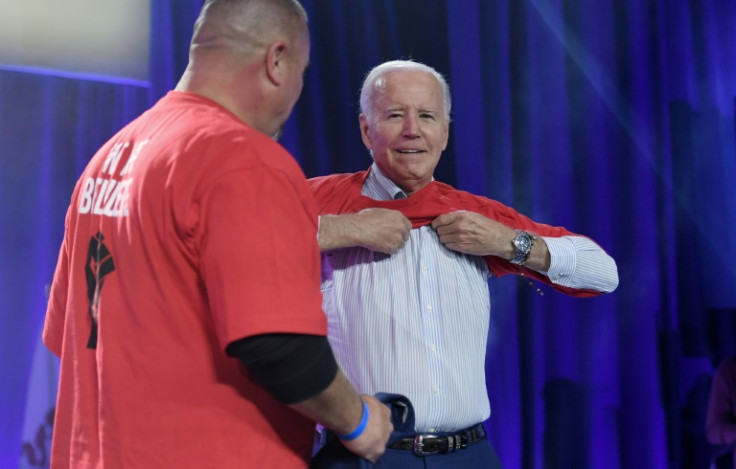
{"type": "Point", "coordinates": [337, 231]}
{"type": "Point", "coordinates": [539, 257]}
{"type": "Point", "coordinates": [300, 371]}
{"type": "Point", "coordinates": [338, 407]}
{"type": "Point", "coordinates": [363, 423]}
{"type": "Point", "coordinates": [376, 229]}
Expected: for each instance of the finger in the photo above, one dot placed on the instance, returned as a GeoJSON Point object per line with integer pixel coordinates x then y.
{"type": "Point", "coordinates": [447, 218]}
{"type": "Point", "coordinates": [395, 247]}
{"type": "Point", "coordinates": [450, 238]}
{"type": "Point", "coordinates": [447, 230]}
{"type": "Point", "coordinates": [442, 220]}
{"type": "Point", "coordinates": [455, 247]}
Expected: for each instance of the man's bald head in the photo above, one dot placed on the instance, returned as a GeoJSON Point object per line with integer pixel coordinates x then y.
{"type": "Point", "coordinates": [249, 56]}
{"type": "Point", "coordinates": [246, 25]}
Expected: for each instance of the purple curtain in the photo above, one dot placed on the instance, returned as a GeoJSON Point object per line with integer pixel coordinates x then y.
{"type": "Point", "coordinates": [613, 119]}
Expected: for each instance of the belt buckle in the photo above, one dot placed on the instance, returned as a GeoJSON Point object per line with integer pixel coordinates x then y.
{"type": "Point", "coordinates": [419, 445]}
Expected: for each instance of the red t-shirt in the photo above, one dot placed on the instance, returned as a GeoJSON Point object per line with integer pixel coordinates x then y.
{"type": "Point", "coordinates": [188, 230]}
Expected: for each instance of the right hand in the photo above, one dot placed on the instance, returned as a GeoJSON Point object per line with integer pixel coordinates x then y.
{"type": "Point", "coordinates": [372, 443]}
{"type": "Point", "coordinates": [381, 229]}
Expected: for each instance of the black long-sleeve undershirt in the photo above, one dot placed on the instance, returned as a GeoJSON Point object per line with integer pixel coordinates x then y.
{"type": "Point", "coordinates": [292, 367]}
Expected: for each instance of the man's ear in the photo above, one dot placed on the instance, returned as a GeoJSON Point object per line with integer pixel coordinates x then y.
{"type": "Point", "coordinates": [447, 136]}
{"type": "Point", "coordinates": [364, 131]}
{"type": "Point", "coordinates": [276, 63]}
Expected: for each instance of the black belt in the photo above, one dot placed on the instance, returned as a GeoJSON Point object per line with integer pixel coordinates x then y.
{"type": "Point", "coordinates": [429, 443]}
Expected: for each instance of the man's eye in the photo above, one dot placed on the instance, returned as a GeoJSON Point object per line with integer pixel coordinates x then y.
{"type": "Point", "coordinates": [427, 116]}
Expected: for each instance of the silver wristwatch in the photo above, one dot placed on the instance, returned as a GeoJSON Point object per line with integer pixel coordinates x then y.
{"type": "Point", "coordinates": [523, 243]}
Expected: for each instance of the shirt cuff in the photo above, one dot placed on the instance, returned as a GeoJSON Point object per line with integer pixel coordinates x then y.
{"type": "Point", "coordinates": [563, 255]}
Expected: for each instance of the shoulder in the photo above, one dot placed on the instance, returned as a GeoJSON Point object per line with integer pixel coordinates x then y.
{"type": "Point", "coordinates": [335, 182]}
{"type": "Point", "coordinates": [491, 208]}
{"type": "Point", "coordinates": [468, 201]}
{"type": "Point", "coordinates": [209, 129]}
{"type": "Point", "coordinates": [214, 149]}
{"type": "Point", "coordinates": [220, 142]}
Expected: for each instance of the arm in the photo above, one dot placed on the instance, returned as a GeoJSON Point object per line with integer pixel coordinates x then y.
{"type": "Point", "coordinates": [376, 229]}
{"type": "Point", "coordinates": [300, 371]}
{"type": "Point", "coordinates": [53, 330]}
{"type": "Point", "coordinates": [570, 261]}
{"type": "Point", "coordinates": [472, 233]}
{"type": "Point", "coordinates": [339, 408]}
{"type": "Point", "coordinates": [578, 262]}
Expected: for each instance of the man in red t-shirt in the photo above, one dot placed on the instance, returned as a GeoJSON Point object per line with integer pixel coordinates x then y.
{"type": "Point", "coordinates": [191, 250]}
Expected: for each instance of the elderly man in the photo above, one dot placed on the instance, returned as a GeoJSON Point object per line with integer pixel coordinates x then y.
{"type": "Point", "coordinates": [172, 261]}
{"type": "Point", "coordinates": [406, 261]}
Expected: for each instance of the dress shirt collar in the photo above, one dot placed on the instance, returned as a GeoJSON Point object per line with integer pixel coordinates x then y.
{"type": "Point", "coordinates": [378, 186]}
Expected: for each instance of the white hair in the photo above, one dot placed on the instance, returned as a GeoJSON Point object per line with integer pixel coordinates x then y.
{"type": "Point", "coordinates": [370, 84]}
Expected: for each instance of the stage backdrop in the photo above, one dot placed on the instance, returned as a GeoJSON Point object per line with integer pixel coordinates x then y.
{"type": "Point", "coordinates": [614, 119]}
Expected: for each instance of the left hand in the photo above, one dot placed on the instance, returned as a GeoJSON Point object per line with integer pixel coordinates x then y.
{"type": "Point", "coordinates": [472, 233]}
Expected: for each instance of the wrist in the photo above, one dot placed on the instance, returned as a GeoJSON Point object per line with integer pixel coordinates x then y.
{"type": "Point", "coordinates": [522, 244]}
{"type": "Point", "coordinates": [361, 426]}
{"type": "Point", "coordinates": [353, 229]}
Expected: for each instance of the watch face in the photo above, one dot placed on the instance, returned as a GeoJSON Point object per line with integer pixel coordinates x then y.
{"type": "Point", "coordinates": [522, 242]}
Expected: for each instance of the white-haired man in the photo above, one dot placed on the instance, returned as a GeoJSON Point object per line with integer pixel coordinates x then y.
{"type": "Point", "coordinates": [406, 261]}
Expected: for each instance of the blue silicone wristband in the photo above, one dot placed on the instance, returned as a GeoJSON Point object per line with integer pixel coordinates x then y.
{"type": "Point", "coordinates": [361, 426]}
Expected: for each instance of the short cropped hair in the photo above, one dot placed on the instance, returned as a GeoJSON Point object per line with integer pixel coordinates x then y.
{"type": "Point", "coordinates": [255, 19]}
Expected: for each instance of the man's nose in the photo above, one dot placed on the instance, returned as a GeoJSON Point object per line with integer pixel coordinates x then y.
{"type": "Point", "coordinates": [411, 126]}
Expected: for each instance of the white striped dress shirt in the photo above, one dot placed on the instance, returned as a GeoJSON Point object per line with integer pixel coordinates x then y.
{"type": "Point", "coordinates": [416, 322]}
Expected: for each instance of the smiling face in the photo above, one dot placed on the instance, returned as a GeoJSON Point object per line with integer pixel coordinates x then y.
{"type": "Point", "coordinates": [405, 127]}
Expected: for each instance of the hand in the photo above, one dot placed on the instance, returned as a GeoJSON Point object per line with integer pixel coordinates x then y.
{"type": "Point", "coordinates": [372, 443]}
{"type": "Point", "coordinates": [381, 229]}
{"type": "Point", "coordinates": [472, 233]}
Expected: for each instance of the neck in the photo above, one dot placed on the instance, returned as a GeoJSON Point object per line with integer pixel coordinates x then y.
{"type": "Point", "coordinates": [215, 87]}
{"type": "Point", "coordinates": [413, 187]}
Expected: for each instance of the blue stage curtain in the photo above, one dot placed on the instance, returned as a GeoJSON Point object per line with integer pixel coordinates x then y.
{"type": "Point", "coordinates": [613, 119]}
{"type": "Point", "coordinates": [49, 128]}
